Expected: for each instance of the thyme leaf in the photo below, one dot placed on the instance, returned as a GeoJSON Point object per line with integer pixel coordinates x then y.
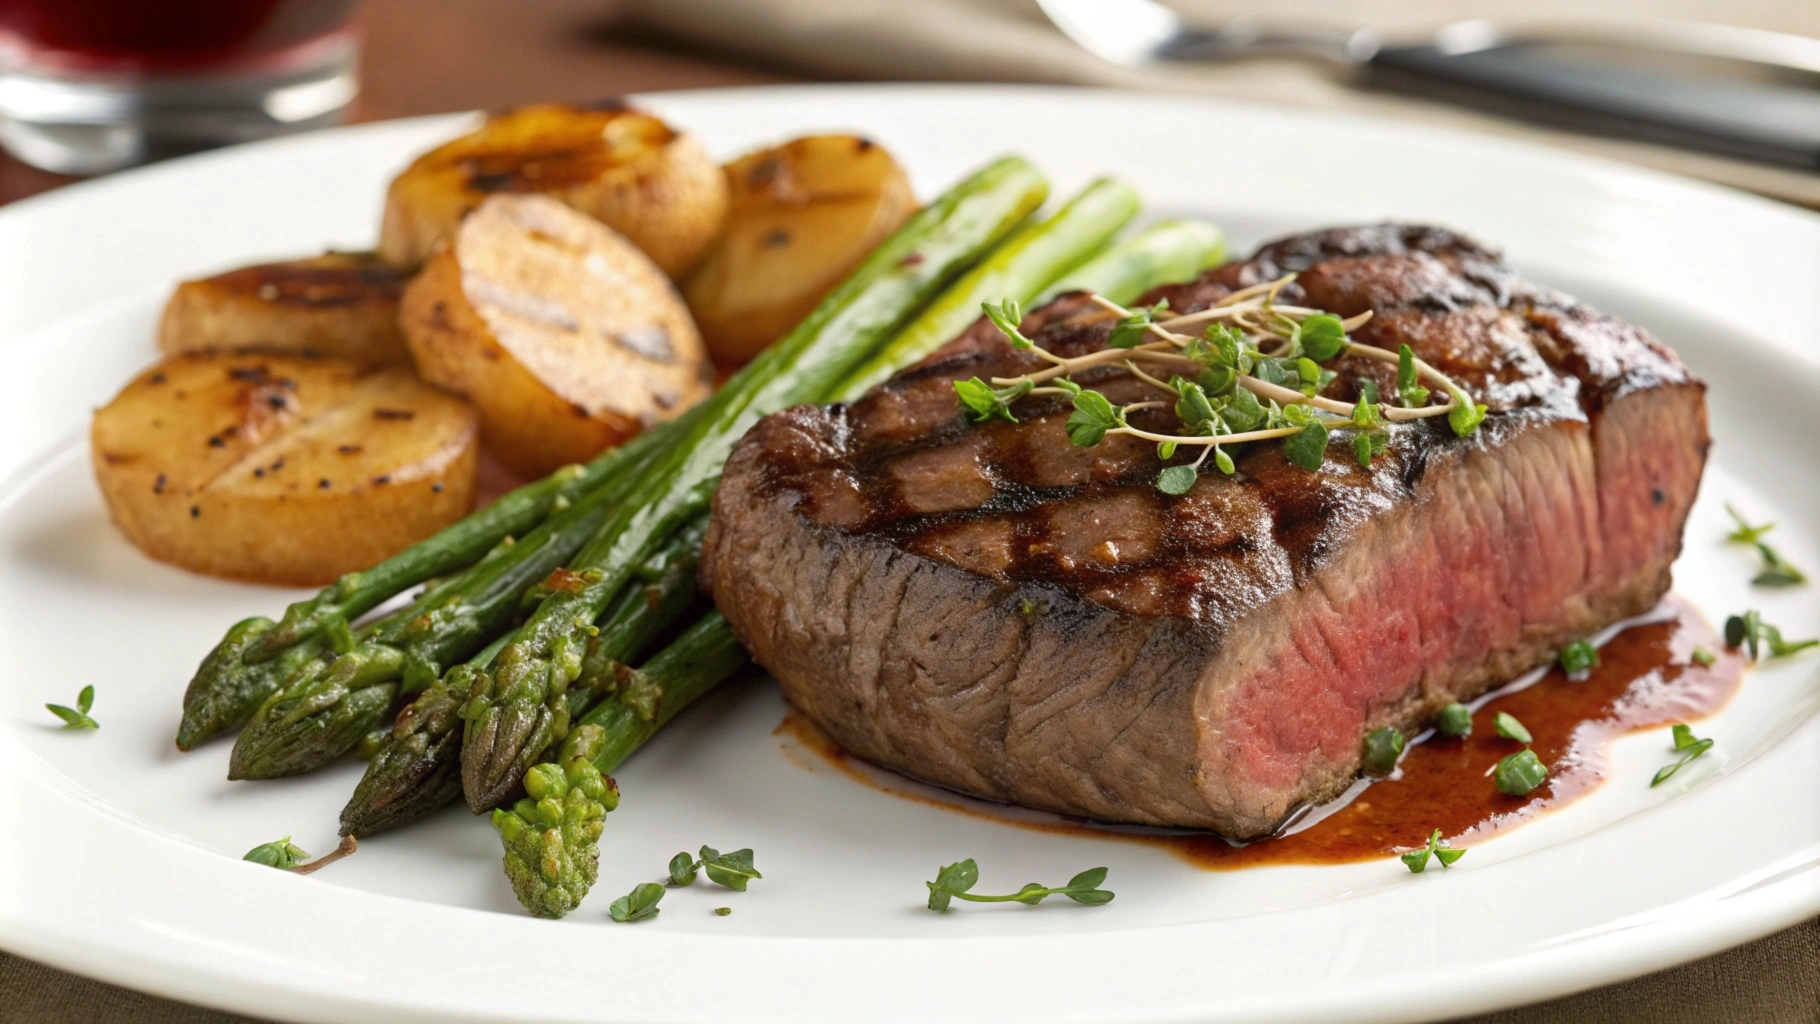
{"type": "Point", "coordinates": [78, 716]}
{"type": "Point", "coordinates": [1007, 317]}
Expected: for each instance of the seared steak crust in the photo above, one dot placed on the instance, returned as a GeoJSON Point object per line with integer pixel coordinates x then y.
{"type": "Point", "coordinates": [993, 609]}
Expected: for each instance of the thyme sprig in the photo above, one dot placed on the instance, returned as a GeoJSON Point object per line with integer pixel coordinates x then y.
{"type": "Point", "coordinates": [1246, 369]}
{"type": "Point", "coordinates": [956, 881]}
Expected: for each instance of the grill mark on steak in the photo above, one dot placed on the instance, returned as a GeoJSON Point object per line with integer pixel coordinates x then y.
{"type": "Point", "coordinates": [991, 608]}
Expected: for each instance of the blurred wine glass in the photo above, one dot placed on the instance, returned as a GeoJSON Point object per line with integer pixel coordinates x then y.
{"type": "Point", "coordinates": [88, 86]}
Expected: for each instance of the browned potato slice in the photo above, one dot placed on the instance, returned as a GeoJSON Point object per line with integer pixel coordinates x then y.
{"type": "Point", "coordinates": [336, 304]}
{"type": "Point", "coordinates": [802, 215]}
{"type": "Point", "coordinates": [629, 169]}
{"type": "Point", "coordinates": [568, 339]}
{"type": "Point", "coordinates": [281, 469]}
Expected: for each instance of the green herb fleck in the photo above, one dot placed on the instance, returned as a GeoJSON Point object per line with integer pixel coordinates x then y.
{"type": "Point", "coordinates": [1413, 394]}
{"type": "Point", "coordinates": [1578, 658]}
{"type": "Point", "coordinates": [1777, 571]}
{"type": "Point", "coordinates": [1382, 749]}
{"type": "Point", "coordinates": [1688, 746]}
{"type": "Point", "coordinates": [1466, 416]}
{"type": "Point", "coordinates": [282, 854]}
{"type": "Point", "coordinates": [1455, 720]}
{"type": "Point", "coordinates": [1323, 336]}
{"type": "Point", "coordinates": [1130, 332]}
{"type": "Point", "coordinates": [682, 870]}
{"type": "Point", "coordinates": [732, 870]}
{"type": "Point", "coordinates": [1520, 773]}
{"type": "Point", "coordinates": [638, 904]}
{"type": "Point", "coordinates": [1308, 447]}
{"type": "Point", "coordinates": [1223, 461]}
{"type": "Point", "coordinates": [1511, 729]}
{"type": "Point", "coordinates": [722, 911]}
{"type": "Point", "coordinates": [955, 881]}
{"type": "Point", "coordinates": [1007, 316]}
{"type": "Point", "coordinates": [987, 402]}
{"type": "Point", "coordinates": [1093, 415]}
{"type": "Point", "coordinates": [1176, 479]}
{"type": "Point", "coordinates": [77, 717]}
{"type": "Point", "coordinates": [1703, 657]}
{"type": "Point", "coordinates": [1417, 860]}
{"type": "Point", "coordinates": [1751, 633]}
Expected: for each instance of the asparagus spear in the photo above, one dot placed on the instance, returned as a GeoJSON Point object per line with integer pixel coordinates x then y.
{"type": "Point", "coordinates": [551, 851]}
{"type": "Point", "coordinates": [552, 836]}
{"type": "Point", "coordinates": [238, 675]}
{"type": "Point", "coordinates": [1165, 252]}
{"type": "Point", "coordinates": [320, 715]}
{"type": "Point", "coordinates": [417, 768]}
{"type": "Point", "coordinates": [512, 716]}
{"type": "Point", "coordinates": [1036, 255]}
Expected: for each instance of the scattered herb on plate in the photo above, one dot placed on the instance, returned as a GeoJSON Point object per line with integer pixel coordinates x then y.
{"type": "Point", "coordinates": [732, 870]}
{"type": "Point", "coordinates": [77, 717]}
{"type": "Point", "coordinates": [638, 904]}
{"type": "Point", "coordinates": [1511, 729]}
{"type": "Point", "coordinates": [1578, 658]}
{"type": "Point", "coordinates": [282, 854]}
{"type": "Point", "coordinates": [1520, 773]}
{"type": "Point", "coordinates": [1777, 572]}
{"type": "Point", "coordinates": [1417, 859]}
{"type": "Point", "coordinates": [1455, 720]}
{"type": "Point", "coordinates": [1749, 632]}
{"type": "Point", "coordinates": [956, 881]}
{"type": "Point", "coordinates": [1688, 746]}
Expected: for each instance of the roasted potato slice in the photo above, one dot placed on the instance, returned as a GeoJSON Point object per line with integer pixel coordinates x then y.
{"type": "Point", "coordinates": [629, 169]}
{"type": "Point", "coordinates": [336, 304]}
{"type": "Point", "coordinates": [801, 216]}
{"type": "Point", "coordinates": [567, 338]}
{"type": "Point", "coordinates": [281, 469]}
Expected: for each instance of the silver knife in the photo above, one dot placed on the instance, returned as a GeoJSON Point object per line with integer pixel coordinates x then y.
{"type": "Point", "coordinates": [1743, 92]}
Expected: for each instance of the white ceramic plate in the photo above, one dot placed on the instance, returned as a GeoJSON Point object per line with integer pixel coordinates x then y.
{"type": "Point", "coordinates": [120, 857]}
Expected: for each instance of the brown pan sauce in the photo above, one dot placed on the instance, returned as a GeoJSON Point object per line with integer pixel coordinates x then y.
{"type": "Point", "coordinates": [1646, 679]}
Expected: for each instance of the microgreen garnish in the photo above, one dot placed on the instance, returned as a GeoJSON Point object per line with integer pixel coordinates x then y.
{"type": "Point", "coordinates": [1750, 632]}
{"type": "Point", "coordinates": [1520, 773]}
{"type": "Point", "coordinates": [1131, 331]}
{"type": "Point", "coordinates": [1254, 373]}
{"type": "Point", "coordinates": [1414, 395]}
{"type": "Point", "coordinates": [1511, 729]}
{"type": "Point", "coordinates": [1455, 720]}
{"type": "Point", "coordinates": [732, 870]}
{"type": "Point", "coordinates": [1006, 316]}
{"type": "Point", "coordinates": [638, 904]}
{"type": "Point", "coordinates": [1417, 859]}
{"type": "Point", "coordinates": [282, 854]}
{"type": "Point", "coordinates": [1578, 658]}
{"type": "Point", "coordinates": [1688, 746]}
{"type": "Point", "coordinates": [986, 402]}
{"type": "Point", "coordinates": [77, 717]}
{"type": "Point", "coordinates": [1382, 749]}
{"type": "Point", "coordinates": [954, 882]}
{"type": "Point", "coordinates": [1702, 657]}
{"type": "Point", "coordinates": [1777, 572]}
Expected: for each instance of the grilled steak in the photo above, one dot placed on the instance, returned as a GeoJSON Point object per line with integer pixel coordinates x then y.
{"type": "Point", "coordinates": [990, 608]}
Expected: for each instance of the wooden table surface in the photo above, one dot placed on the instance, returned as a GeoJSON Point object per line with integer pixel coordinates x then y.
{"type": "Point", "coordinates": [435, 56]}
